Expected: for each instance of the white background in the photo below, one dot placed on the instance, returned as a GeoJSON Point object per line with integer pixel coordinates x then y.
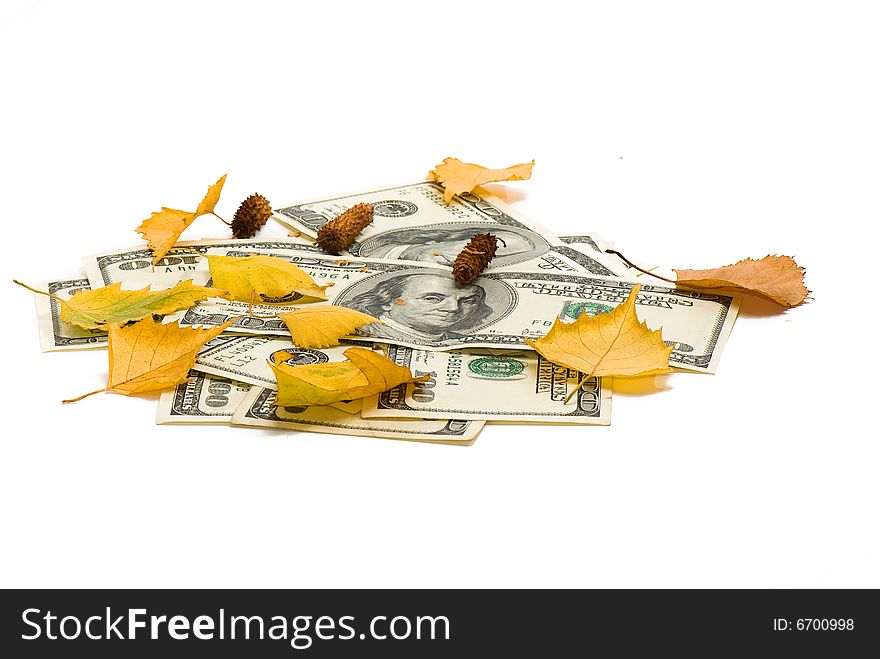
{"type": "Point", "coordinates": [692, 134]}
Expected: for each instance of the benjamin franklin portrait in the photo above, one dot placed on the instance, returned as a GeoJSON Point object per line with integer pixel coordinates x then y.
{"type": "Point", "coordinates": [429, 307]}
{"type": "Point", "coordinates": [441, 243]}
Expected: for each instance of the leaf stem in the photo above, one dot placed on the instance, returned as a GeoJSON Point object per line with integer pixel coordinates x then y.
{"type": "Point", "coordinates": [633, 265]}
{"type": "Point", "coordinates": [34, 290]}
{"type": "Point", "coordinates": [229, 224]}
{"type": "Point", "coordinates": [584, 378]}
{"type": "Point", "coordinates": [91, 393]}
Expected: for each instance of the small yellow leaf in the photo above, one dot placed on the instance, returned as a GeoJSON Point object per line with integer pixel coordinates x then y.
{"type": "Point", "coordinates": [162, 229]}
{"type": "Point", "coordinates": [207, 204]}
{"type": "Point", "coordinates": [776, 277]}
{"type": "Point", "coordinates": [613, 343]}
{"type": "Point", "coordinates": [263, 279]}
{"type": "Point", "coordinates": [456, 176]}
{"type": "Point", "coordinates": [323, 325]}
{"type": "Point", "coordinates": [109, 305]}
{"type": "Point", "coordinates": [149, 356]}
{"type": "Point", "coordinates": [366, 374]}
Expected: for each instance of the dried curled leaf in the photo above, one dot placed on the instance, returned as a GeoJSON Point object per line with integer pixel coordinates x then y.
{"type": "Point", "coordinates": [263, 279]}
{"type": "Point", "coordinates": [613, 343]}
{"type": "Point", "coordinates": [323, 325]}
{"type": "Point", "coordinates": [149, 356]}
{"type": "Point", "coordinates": [779, 278]}
{"type": "Point", "coordinates": [109, 305]}
{"type": "Point", "coordinates": [456, 176]}
{"type": "Point", "coordinates": [367, 373]}
{"type": "Point", "coordinates": [162, 229]}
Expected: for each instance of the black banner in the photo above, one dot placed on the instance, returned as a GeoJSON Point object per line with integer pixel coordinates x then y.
{"type": "Point", "coordinates": [434, 623]}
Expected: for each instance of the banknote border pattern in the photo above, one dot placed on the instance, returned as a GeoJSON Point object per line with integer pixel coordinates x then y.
{"type": "Point", "coordinates": [198, 384]}
{"type": "Point", "coordinates": [399, 355]}
{"type": "Point", "coordinates": [446, 431]}
{"type": "Point", "coordinates": [55, 310]}
{"type": "Point", "coordinates": [104, 261]}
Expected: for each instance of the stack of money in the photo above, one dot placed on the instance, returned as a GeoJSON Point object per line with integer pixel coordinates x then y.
{"type": "Point", "coordinates": [468, 339]}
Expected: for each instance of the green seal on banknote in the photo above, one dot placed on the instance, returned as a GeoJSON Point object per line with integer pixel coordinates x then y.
{"type": "Point", "coordinates": [575, 309]}
{"type": "Point", "coordinates": [496, 368]}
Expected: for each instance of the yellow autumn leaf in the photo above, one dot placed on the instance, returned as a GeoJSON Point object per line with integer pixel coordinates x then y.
{"type": "Point", "coordinates": [109, 305]}
{"type": "Point", "coordinates": [456, 176]}
{"type": "Point", "coordinates": [162, 229]}
{"type": "Point", "coordinates": [779, 278]}
{"type": "Point", "coordinates": [149, 356]}
{"type": "Point", "coordinates": [613, 343]}
{"type": "Point", "coordinates": [366, 373]}
{"type": "Point", "coordinates": [263, 279]}
{"type": "Point", "coordinates": [323, 325]}
{"type": "Point", "coordinates": [212, 196]}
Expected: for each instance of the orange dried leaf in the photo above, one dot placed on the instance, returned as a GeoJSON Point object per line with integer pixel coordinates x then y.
{"type": "Point", "coordinates": [613, 343]}
{"type": "Point", "coordinates": [779, 278]}
{"type": "Point", "coordinates": [456, 176]}
{"type": "Point", "coordinates": [149, 356]}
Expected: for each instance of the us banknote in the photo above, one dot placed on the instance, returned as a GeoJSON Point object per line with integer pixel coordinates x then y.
{"type": "Point", "coordinates": [412, 223]}
{"type": "Point", "coordinates": [421, 306]}
{"type": "Point", "coordinates": [132, 266]}
{"type": "Point", "coordinates": [246, 359]}
{"type": "Point", "coordinates": [57, 335]}
{"type": "Point", "coordinates": [494, 386]}
{"type": "Point", "coordinates": [203, 399]}
{"type": "Point", "coordinates": [590, 243]}
{"type": "Point", "coordinates": [258, 409]}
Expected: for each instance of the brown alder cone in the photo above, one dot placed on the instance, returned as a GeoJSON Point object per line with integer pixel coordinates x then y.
{"type": "Point", "coordinates": [474, 258]}
{"type": "Point", "coordinates": [251, 216]}
{"type": "Point", "coordinates": [336, 235]}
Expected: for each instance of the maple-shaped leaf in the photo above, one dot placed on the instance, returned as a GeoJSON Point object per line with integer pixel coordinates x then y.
{"type": "Point", "coordinates": [162, 229]}
{"type": "Point", "coordinates": [367, 373]}
{"type": "Point", "coordinates": [323, 325]}
{"type": "Point", "coordinates": [99, 307]}
{"type": "Point", "coordinates": [149, 356]}
{"type": "Point", "coordinates": [456, 176]}
{"type": "Point", "coordinates": [263, 279]}
{"type": "Point", "coordinates": [779, 278]}
{"type": "Point", "coordinates": [612, 343]}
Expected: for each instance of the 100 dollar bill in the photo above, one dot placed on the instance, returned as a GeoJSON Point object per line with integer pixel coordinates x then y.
{"type": "Point", "coordinates": [247, 358]}
{"type": "Point", "coordinates": [423, 307]}
{"type": "Point", "coordinates": [258, 410]}
{"type": "Point", "coordinates": [413, 223]}
{"type": "Point", "coordinates": [496, 386]}
{"type": "Point", "coordinates": [203, 399]}
{"type": "Point", "coordinates": [56, 334]}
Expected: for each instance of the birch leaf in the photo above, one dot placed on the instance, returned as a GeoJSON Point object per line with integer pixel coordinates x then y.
{"type": "Point", "coordinates": [110, 305]}
{"type": "Point", "coordinates": [779, 278]}
{"type": "Point", "coordinates": [612, 343]}
{"type": "Point", "coordinates": [207, 204]}
{"type": "Point", "coordinates": [367, 373]}
{"type": "Point", "coordinates": [263, 279]}
{"type": "Point", "coordinates": [456, 176]}
{"type": "Point", "coordinates": [162, 229]}
{"type": "Point", "coordinates": [323, 325]}
{"type": "Point", "coordinates": [149, 356]}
